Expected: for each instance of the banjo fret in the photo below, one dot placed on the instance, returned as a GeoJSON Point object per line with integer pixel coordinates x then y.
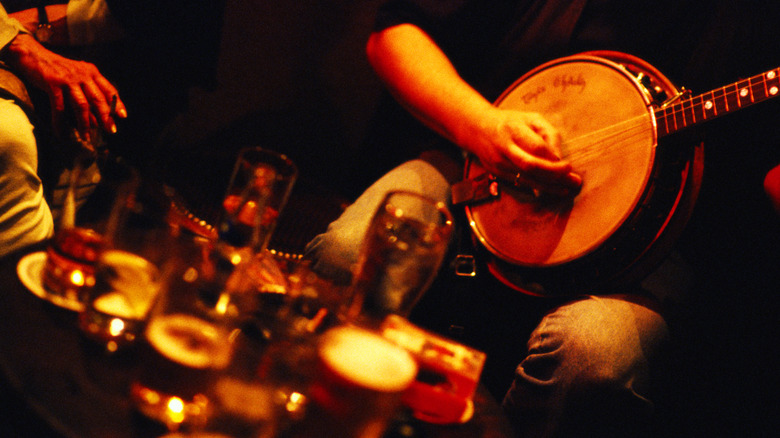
{"type": "Point", "coordinates": [718, 102]}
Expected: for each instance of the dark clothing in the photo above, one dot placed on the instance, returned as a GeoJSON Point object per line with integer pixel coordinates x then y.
{"type": "Point", "coordinates": [492, 44]}
{"type": "Point", "coordinates": [723, 329]}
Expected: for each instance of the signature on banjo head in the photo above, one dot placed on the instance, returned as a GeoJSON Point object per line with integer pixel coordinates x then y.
{"type": "Point", "coordinates": [560, 83]}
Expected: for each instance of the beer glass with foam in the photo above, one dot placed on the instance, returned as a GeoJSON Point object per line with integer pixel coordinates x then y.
{"type": "Point", "coordinates": [355, 386]}
{"type": "Point", "coordinates": [187, 345]}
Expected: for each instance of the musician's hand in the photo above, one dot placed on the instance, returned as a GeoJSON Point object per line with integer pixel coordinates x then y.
{"type": "Point", "coordinates": [524, 148]}
{"type": "Point", "coordinates": [68, 83]}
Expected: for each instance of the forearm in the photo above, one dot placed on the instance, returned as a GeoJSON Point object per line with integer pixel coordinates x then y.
{"type": "Point", "coordinates": [772, 187]}
{"type": "Point", "coordinates": [423, 80]}
{"type": "Point", "coordinates": [516, 145]}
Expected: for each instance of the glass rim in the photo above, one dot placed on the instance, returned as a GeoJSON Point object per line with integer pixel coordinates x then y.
{"type": "Point", "coordinates": [440, 206]}
{"type": "Point", "coordinates": [291, 169]}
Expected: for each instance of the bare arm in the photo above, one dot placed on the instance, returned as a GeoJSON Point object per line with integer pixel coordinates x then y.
{"type": "Point", "coordinates": [507, 142]}
{"type": "Point", "coordinates": [772, 187]}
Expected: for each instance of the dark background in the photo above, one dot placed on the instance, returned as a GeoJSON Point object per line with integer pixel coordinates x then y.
{"type": "Point", "coordinates": [292, 76]}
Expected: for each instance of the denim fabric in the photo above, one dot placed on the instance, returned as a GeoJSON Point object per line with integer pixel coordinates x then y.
{"type": "Point", "coordinates": [587, 361]}
{"type": "Point", "coordinates": [588, 368]}
{"type": "Point", "coordinates": [335, 252]}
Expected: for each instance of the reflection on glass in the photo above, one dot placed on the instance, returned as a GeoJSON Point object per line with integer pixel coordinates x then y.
{"type": "Point", "coordinates": [258, 190]}
{"type": "Point", "coordinates": [182, 360]}
{"type": "Point", "coordinates": [401, 254]}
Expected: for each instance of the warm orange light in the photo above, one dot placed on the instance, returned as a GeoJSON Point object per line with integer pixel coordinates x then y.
{"type": "Point", "coordinates": [77, 277]}
{"type": "Point", "coordinates": [176, 409]}
{"type": "Point", "coordinates": [116, 327]}
{"type": "Point", "coordinates": [295, 402]}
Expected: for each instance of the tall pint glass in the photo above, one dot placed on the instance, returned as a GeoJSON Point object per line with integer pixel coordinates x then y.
{"type": "Point", "coordinates": [401, 254]}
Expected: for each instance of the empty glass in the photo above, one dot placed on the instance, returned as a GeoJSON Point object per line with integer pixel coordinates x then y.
{"type": "Point", "coordinates": [247, 279]}
{"type": "Point", "coordinates": [401, 254]}
{"type": "Point", "coordinates": [258, 190]}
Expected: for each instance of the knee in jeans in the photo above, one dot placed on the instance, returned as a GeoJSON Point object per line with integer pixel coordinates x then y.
{"type": "Point", "coordinates": [602, 344]}
{"type": "Point", "coordinates": [332, 255]}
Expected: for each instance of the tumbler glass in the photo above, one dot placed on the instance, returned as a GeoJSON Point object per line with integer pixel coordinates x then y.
{"type": "Point", "coordinates": [131, 269]}
{"type": "Point", "coordinates": [401, 254]}
{"type": "Point", "coordinates": [187, 345]}
{"type": "Point", "coordinates": [258, 190]}
{"type": "Point", "coordinates": [249, 281]}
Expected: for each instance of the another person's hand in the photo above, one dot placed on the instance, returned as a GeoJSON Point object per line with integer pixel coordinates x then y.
{"type": "Point", "coordinates": [523, 148]}
{"type": "Point", "coordinates": [71, 85]}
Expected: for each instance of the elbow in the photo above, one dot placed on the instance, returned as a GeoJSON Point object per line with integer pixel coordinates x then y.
{"type": "Point", "coordinates": [387, 44]}
{"type": "Point", "coordinates": [772, 187]}
{"type": "Point", "coordinates": [373, 48]}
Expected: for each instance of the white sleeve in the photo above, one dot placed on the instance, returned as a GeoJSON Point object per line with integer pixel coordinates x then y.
{"type": "Point", "coordinates": [9, 28]}
{"type": "Point", "coordinates": [90, 22]}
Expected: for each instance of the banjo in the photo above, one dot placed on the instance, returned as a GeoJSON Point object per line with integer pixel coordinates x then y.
{"type": "Point", "coordinates": [636, 196]}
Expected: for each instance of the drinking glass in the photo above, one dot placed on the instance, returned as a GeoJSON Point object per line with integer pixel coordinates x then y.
{"type": "Point", "coordinates": [251, 282]}
{"type": "Point", "coordinates": [355, 382]}
{"type": "Point", "coordinates": [186, 345]}
{"type": "Point", "coordinates": [258, 190]}
{"type": "Point", "coordinates": [130, 271]}
{"type": "Point", "coordinates": [401, 254]}
{"type": "Point", "coordinates": [69, 270]}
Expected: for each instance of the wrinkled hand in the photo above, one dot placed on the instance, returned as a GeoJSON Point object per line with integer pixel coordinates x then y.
{"type": "Point", "coordinates": [524, 148]}
{"type": "Point", "coordinates": [74, 85]}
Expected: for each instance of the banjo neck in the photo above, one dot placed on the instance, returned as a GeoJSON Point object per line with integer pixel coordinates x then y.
{"type": "Point", "coordinates": [683, 111]}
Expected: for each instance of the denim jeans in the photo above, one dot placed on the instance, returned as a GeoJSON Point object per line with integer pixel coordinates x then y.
{"type": "Point", "coordinates": [587, 363]}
